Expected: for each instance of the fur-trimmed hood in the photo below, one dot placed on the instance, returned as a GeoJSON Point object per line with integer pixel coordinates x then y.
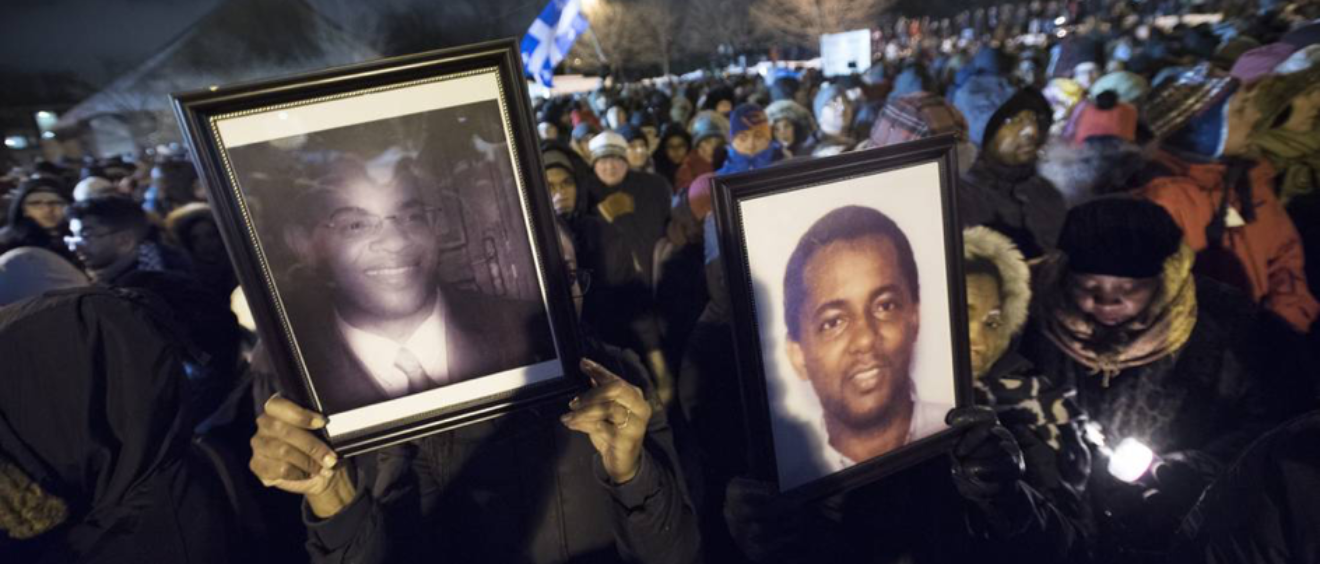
{"type": "Point", "coordinates": [984, 244]}
{"type": "Point", "coordinates": [1097, 167]}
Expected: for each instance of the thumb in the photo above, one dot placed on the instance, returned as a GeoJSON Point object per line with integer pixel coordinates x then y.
{"type": "Point", "coordinates": [599, 375]}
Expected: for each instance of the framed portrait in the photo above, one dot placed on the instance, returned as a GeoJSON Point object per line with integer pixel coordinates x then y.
{"type": "Point", "coordinates": [393, 237]}
{"type": "Point", "coordinates": [849, 312]}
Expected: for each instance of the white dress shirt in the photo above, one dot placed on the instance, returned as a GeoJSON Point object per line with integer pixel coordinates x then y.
{"type": "Point", "coordinates": [378, 354]}
{"type": "Point", "coordinates": [927, 419]}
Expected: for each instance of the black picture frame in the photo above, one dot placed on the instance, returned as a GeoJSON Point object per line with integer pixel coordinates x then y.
{"type": "Point", "coordinates": [437, 100]}
{"type": "Point", "coordinates": [753, 228]}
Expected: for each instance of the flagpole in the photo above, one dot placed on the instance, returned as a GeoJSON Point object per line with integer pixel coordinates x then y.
{"type": "Point", "coordinates": [594, 43]}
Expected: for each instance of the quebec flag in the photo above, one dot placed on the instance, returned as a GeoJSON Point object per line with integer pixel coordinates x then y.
{"type": "Point", "coordinates": [550, 37]}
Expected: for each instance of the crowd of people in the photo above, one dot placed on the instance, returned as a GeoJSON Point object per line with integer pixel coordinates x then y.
{"type": "Point", "coordinates": [1141, 214]}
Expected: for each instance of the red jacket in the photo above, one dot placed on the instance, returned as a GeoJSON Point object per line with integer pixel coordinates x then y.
{"type": "Point", "coordinates": [1268, 247]}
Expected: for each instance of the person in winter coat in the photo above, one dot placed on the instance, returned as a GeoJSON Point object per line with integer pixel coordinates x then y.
{"type": "Point", "coordinates": [132, 489]}
{"type": "Point", "coordinates": [1264, 509]}
{"type": "Point", "coordinates": [708, 133]}
{"type": "Point", "coordinates": [1097, 154]}
{"type": "Point", "coordinates": [113, 238]}
{"type": "Point", "coordinates": [793, 127]}
{"type": "Point", "coordinates": [834, 112]}
{"type": "Point", "coordinates": [1044, 418]}
{"type": "Point", "coordinates": [38, 218]}
{"type": "Point", "coordinates": [1223, 200]}
{"type": "Point", "coordinates": [529, 487]}
{"type": "Point", "coordinates": [920, 115]}
{"type": "Point", "coordinates": [637, 204]}
{"type": "Point", "coordinates": [1180, 364]}
{"type": "Point", "coordinates": [193, 227]}
{"type": "Point", "coordinates": [1003, 190]}
{"type": "Point", "coordinates": [675, 143]}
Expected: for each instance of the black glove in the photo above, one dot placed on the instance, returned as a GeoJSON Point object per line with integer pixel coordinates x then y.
{"type": "Point", "coordinates": [987, 462]}
{"type": "Point", "coordinates": [762, 525]}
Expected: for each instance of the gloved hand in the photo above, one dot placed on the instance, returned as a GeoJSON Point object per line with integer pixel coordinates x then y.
{"type": "Point", "coordinates": [1176, 482]}
{"type": "Point", "coordinates": [987, 462]}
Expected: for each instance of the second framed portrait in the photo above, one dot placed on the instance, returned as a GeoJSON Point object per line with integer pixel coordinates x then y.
{"type": "Point", "coordinates": [846, 283]}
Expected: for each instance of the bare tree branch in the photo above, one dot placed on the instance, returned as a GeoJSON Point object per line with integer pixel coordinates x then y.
{"type": "Point", "coordinates": [802, 22]}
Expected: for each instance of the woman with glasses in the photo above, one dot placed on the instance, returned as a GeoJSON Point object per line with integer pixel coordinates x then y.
{"type": "Point", "coordinates": [37, 218]}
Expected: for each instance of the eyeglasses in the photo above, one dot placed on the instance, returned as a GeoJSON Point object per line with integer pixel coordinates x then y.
{"type": "Point", "coordinates": [359, 225]}
{"type": "Point", "coordinates": [85, 238]}
{"type": "Point", "coordinates": [583, 279]}
{"type": "Point", "coordinates": [50, 204]}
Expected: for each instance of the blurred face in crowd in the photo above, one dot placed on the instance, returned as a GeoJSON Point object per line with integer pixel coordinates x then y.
{"type": "Point", "coordinates": [836, 115]}
{"type": "Point", "coordinates": [548, 131]}
{"type": "Point", "coordinates": [1086, 74]}
{"type": "Point", "coordinates": [752, 141]}
{"type": "Point", "coordinates": [652, 134]}
{"type": "Point", "coordinates": [1018, 141]}
{"type": "Point", "coordinates": [376, 242]}
{"type": "Point", "coordinates": [708, 147]}
{"type": "Point", "coordinates": [987, 335]}
{"type": "Point", "coordinates": [859, 323]}
{"type": "Point", "coordinates": [205, 243]}
{"type": "Point", "coordinates": [100, 246]}
{"type": "Point", "coordinates": [611, 170]}
{"type": "Point", "coordinates": [639, 152]}
{"type": "Point", "coordinates": [784, 133]}
{"type": "Point", "coordinates": [45, 209]}
{"type": "Point", "coordinates": [1111, 300]}
{"type": "Point", "coordinates": [724, 107]}
{"type": "Point", "coordinates": [676, 148]}
{"type": "Point", "coordinates": [563, 189]}
{"type": "Point", "coordinates": [569, 252]}
{"type": "Point", "coordinates": [616, 117]}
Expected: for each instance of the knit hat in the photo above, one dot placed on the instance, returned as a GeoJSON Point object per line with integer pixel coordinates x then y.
{"type": "Point", "coordinates": [583, 130]}
{"type": "Point", "coordinates": [709, 124]}
{"type": "Point", "coordinates": [1302, 60]}
{"type": "Point", "coordinates": [792, 111]}
{"type": "Point", "coordinates": [1063, 93]}
{"type": "Point", "coordinates": [1105, 117]}
{"type": "Point", "coordinates": [745, 117]}
{"type": "Point", "coordinates": [912, 79]}
{"type": "Point", "coordinates": [554, 157]}
{"type": "Point", "coordinates": [1025, 100]}
{"type": "Point", "coordinates": [917, 116]}
{"type": "Point", "coordinates": [91, 187]}
{"type": "Point", "coordinates": [608, 144]}
{"type": "Point", "coordinates": [1258, 62]}
{"type": "Point", "coordinates": [978, 101]}
{"type": "Point", "coordinates": [1228, 54]}
{"type": "Point", "coordinates": [1192, 94]}
{"type": "Point", "coordinates": [1130, 87]}
{"type": "Point", "coordinates": [630, 133]}
{"type": "Point", "coordinates": [1119, 236]}
{"type": "Point", "coordinates": [1304, 36]}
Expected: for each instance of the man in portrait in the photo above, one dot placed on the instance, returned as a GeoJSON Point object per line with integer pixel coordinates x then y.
{"type": "Point", "coordinates": [852, 305]}
{"type": "Point", "coordinates": [372, 318]}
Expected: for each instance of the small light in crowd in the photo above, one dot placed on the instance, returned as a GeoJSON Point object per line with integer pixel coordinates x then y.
{"type": "Point", "coordinates": [43, 114]}
{"type": "Point", "coordinates": [1061, 33]}
{"type": "Point", "coordinates": [1060, 20]}
{"type": "Point", "coordinates": [16, 142]}
{"type": "Point", "coordinates": [48, 135]}
{"type": "Point", "coordinates": [1130, 460]}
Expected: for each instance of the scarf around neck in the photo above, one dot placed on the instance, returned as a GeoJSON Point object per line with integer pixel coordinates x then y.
{"type": "Point", "coordinates": [1296, 155]}
{"type": "Point", "coordinates": [1158, 332]}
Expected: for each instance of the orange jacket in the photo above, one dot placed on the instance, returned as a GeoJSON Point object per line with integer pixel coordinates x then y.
{"type": "Point", "coordinates": [1269, 248]}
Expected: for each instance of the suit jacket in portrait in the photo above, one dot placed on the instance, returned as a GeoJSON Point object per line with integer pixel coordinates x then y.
{"type": "Point", "coordinates": [484, 334]}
